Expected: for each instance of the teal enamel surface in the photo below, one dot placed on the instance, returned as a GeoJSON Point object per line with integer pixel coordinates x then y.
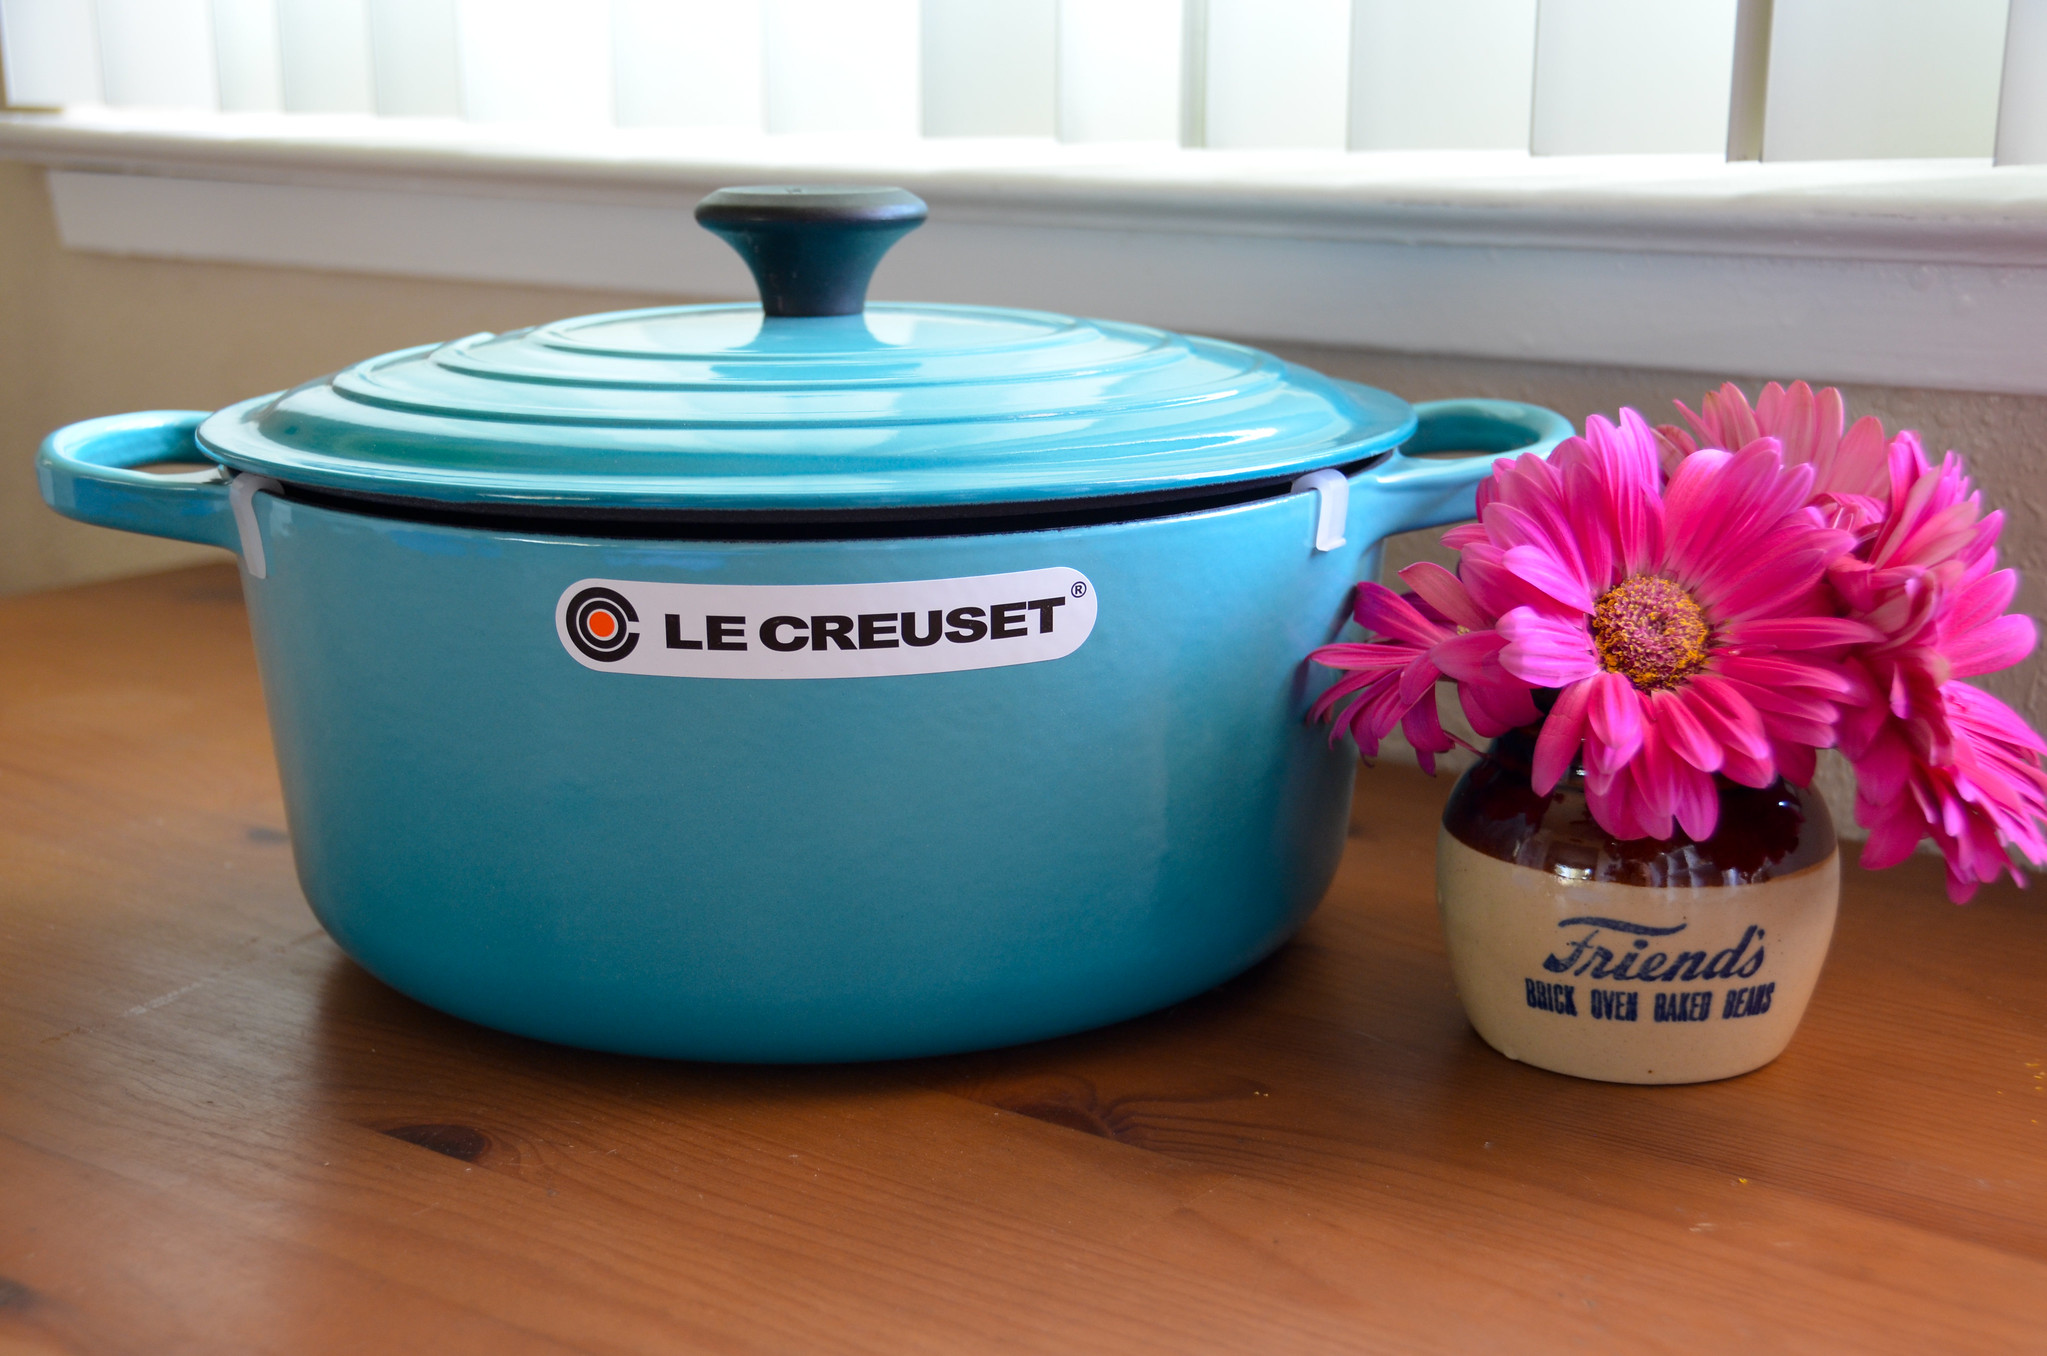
{"type": "Point", "coordinates": [86, 471]}
{"type": "Point", "coordinates": [717, 407]}
{"type": "Point", "coordinates": [798, 870]}
{"type": "Point", "coordinates": [801, 870]}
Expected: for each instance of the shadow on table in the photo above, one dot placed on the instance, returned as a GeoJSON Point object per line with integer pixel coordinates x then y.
{"type": "Point", "coordinates": [1358, 1045]}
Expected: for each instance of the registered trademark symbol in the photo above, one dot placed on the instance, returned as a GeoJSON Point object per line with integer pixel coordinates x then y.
{"type": "Point", "coordinates": [1079, 589]}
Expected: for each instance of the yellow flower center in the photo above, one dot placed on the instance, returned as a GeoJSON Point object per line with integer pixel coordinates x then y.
{"type": "Point", "coordinates": [1651, 631]}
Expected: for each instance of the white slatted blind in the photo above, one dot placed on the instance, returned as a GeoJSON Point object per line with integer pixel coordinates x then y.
{"type": "Point", "coordinates": [415, 62]}
{"type": "Point", "coordinates": [1450, 75]}
{"type": "Point", "coordinates": [990, 70]}
{"type": "Point", "coordinates": [687, 63]}
{"type": "Point", "coordinates": [2022, 111]}
{"type": "Point", "coordinates": [1277, 73]}
{"type": "Point", "coordinates": [245, 51]}
{"type": "Point", "coordinates": [1857, 79]}
{"type": "Point", "coordinates": [1643, 76]}
{"type": "Point", "coordinates": [324, 54]}
{"type": "Point", "coordinates": [158, 53]}
{"type": "Point", "coordinates": [539, 61]}
{"type": "Point", "coordinates": [51, 52]}
{"type": "Point", "coordinates": [1119, 70]}
{"type": "Point", "coordinates": [1783, 79]}
{"type": "Point", "coordinates": [1745, 101]}
{"type": "Point", "coordinates": [842, 66]}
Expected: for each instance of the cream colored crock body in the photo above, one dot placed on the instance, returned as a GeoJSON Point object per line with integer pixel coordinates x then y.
{"type": "Point", "coordinates": [1631, 983]}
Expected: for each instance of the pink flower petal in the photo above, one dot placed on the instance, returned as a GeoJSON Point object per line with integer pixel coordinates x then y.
{"type": "Point", "coordinates": [1495, 707]}
{"type": "Point", "coordinates": [1427, 611]}
{"type": "Point", "coordinates": [1778, 671]}
{"type": "Point", "coordinates": [1376, 654]}
{"type": "Point", "coordinates": [1613, 722]}
{"type": "Point", "coordinates": [1726, 420]}
{"type": "Point", "coordinates": [1590, 527]}
{"type": "Point", "coordinates": [1768, 577]}
{"type": "Point", "coordinates": [1716, 511]}
{"type": "Point", "coordinates": [1798, 420]}
{"type": "Point", "coordinates": [1543, 570]}
{"type": "Point", "coordinates": [1795, 762]}
{"type": "Point", "coordinates": [1748, 771]}
{"type": "Point", "coordinates": [1697, 802]}
{"type": "Point", "coordinates": [1799, 633]}
{"type": "Point", "coordinates": [1980, 601]}
{"type": "Point", "coordinates": [1989, 718]}
{"type": "Point", "coordinates": [1465, 534]}
{"type": "Point", "coordinates": [1882, 772]}
{"type": "Point", "coordinates": [1811, 734]}
{"type": "Point", "coordinates": [1986, 649]}
{"type": "Point", "coordinates": [1446, 593]}
{"type": "Point", "coordinates": [1417, 680]}
{"type": "Point", "coordinates": [1890, 842]}
{"type": "Point", "coordinates": [1563, 730]}
{"type": "Point", "coordinates": [1860, 465]}
{"type": "Point", "coordinates": [1655, 771]}
{"type": "Point", "coordinates": [1773, 702]}
{"type": "Point", "coordinates": [1728, 716]}
{"type": "Point", "coordinates": [1683, 731]}
{"type": "Point", "coordinates": [1424, 731]}
{"type": "Point", "coordinates": [1632, 447]}
{"type": "Point", "coordinates": [1362, 686]}
{"type": "Point", "coordinates": [1469, 658]}
{"type": "Point", "coordinates": [1616, 805]}
{"type": "Point", "coordinates": [1546, 650]}
{"type": "Point", "coordinates": [1495, 588]}
{"type": "Point", "coordinates": [1382, 610]}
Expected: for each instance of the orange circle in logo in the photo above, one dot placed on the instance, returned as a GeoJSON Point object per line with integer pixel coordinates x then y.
{"type": "Point", "coordinates": [603, 625]}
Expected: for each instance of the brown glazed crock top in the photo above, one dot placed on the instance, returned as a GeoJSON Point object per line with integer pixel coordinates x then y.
{"type": "Point", "coordinates": [1762, 834]}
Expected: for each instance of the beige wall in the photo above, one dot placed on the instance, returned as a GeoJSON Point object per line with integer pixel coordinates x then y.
{"type": "Point", "coordinates": [82, 335]}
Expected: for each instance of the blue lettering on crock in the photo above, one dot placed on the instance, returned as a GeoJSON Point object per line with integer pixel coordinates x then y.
{"type": "Point", "coordinates": [1753, 1001]}
{"type": "Point", "coordinates": [1695, 1005]}
{"type": "Point", "coordinates": [1614, 1005]}
{"type": "Point", "coordinates": [1550, 997]}
{"type": "Point", "coordinates": [1584, 954]}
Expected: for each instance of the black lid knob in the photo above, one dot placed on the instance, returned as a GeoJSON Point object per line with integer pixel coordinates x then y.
{"type": "Point", "coordinates": [812, 249]}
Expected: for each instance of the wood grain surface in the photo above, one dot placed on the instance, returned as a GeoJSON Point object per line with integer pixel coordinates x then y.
{"type": "Point", "coordinates": [219, 1135]}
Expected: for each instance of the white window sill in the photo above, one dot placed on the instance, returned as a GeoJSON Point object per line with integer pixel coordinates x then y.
{"type": "Point", "coordinates": [1919, 273]}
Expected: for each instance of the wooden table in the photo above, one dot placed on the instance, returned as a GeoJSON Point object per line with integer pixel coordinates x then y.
{"type": "Point", "coordinates": [219, 1135]}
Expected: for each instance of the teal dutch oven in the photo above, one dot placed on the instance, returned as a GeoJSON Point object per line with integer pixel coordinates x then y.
{"type": "Point", "coordinates": [810, 680]}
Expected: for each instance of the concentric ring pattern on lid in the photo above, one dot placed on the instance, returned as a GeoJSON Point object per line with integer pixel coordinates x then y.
{"type": "Point", "coordinates": [725, 408]}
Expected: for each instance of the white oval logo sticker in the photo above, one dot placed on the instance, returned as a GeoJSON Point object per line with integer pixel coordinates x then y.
{"type": "Point", "coordinates": [825, 630]}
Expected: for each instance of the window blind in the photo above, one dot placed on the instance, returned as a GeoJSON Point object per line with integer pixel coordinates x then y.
{"type": "Point", "coordinates": [1775, 79]}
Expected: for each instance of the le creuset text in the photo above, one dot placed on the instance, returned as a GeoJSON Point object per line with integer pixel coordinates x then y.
{"type": "Point", "coordinates": [825, 630]}
{"type": "Point", "coordinates": [881, 630]}
{"type": "Point", "coordinates": [1582, 955]}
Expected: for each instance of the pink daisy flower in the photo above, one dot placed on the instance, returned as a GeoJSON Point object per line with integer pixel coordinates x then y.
{"type": "Point", "coordinates": [1436, 632]}
{"type": "Point", "coordinates": [1792, 582]}
{"type": "Point", "coordinates": [1849, 475]}
{"type": "Point", "coordinates": [1990, 798]}
{"type": "Point", "coordinates": [1687, 631]}
{"type": "Point", "coordinates": [1933, 756]}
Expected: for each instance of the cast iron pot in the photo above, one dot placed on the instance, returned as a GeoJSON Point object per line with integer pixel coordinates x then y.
{"type": "Point", "coordinates": [795, 683]}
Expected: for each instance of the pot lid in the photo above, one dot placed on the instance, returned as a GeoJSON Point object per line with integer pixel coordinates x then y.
{"type": "Point", "coordinates": [808, 401]}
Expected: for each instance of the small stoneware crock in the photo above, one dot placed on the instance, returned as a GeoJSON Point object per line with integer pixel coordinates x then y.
{"type": "Point", "coordinates": [1639, 960]}
{"type": "Point", "coordinates": [809, 680]}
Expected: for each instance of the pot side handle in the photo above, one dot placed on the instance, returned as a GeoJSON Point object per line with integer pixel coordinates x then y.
{"type": "Point", "coordinates": [1414, 490]}
{"type": "Point", "coordinates": [86, 472]}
